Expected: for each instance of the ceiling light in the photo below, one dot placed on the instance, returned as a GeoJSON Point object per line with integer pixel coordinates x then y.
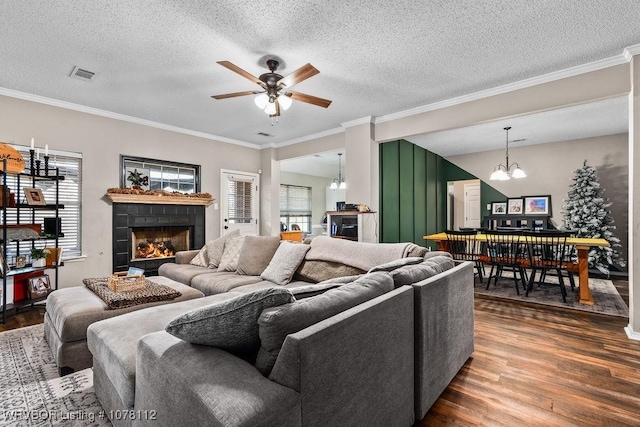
{"type": "Point", "coordinates": [284, 101]}
{"type": "Point", "coordinates": [504, 172]}
{"type": "Point", "coordinates": [339, 183]}
{"type": "Point", "coordinates": [261, 100]}
{"type": "Point", "coordinates": [270, 108]}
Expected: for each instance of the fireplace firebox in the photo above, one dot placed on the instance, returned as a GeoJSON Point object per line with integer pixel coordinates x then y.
{"type": "Point", "coordinates": [148, 235]}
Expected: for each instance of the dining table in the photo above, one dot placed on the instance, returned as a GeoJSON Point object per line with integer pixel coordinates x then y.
{"type": "Point", "coordinates": [582, 244]}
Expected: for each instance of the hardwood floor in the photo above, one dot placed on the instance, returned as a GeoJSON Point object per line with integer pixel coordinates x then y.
{"type": "Point", "coordinates": [25, 317]}
{"type": "Point", "coordinates": [532, 365]}
{"type": "Point", "coordinates": [536, 365]}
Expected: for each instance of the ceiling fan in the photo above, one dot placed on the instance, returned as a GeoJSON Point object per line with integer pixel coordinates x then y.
{"type": "Point", "coordinates": [274, 94]}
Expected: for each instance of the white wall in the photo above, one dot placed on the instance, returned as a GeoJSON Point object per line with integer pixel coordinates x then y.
{"type": "Point", "coordinates": [101, 141]}
{"type": "Point", "coordinates": [550, 168]}
{"type": "Point", "coordinates": [318, 186]}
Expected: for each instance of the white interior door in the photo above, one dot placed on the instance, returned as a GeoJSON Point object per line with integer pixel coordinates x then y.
{"type": "Point", "coordinates": [239, 202]}
{"type": "Point", "coordinates": [472, 205]}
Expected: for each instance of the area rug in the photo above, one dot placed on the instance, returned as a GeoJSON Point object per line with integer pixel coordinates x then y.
{"type": "Point", "coordinates": [31, 391]}
{"type": "Point", "coordinates": [606, 298]}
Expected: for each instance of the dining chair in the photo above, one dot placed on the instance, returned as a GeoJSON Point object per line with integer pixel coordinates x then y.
{"type": "Point", "coordinates": [464, 246]}
{"type": "Point", "coordinates": [547, 251]}
{"type": "Point", "coordinates": [506, 251]}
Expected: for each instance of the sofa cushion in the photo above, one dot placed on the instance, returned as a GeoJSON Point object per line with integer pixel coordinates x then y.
{"type": "Point", "coordinates": [231, 325]}
{"type": "Point", "coordinates": [276, 323]}
{"type": "Point", "coordinates": [231, 254]}
{"type": "Point", "coordinates": [215, 248]}
{"type": "Point", "coordinates": [217, 282]}
{"type": "Point", "coordinates": [319, 271]}
{"type": "Point", "coordinates": [201, 259]}
{"type": "Point", "coordinates": [285, 262]}
{"type": "Point", "coordinates": [418, 272]}
{"type": "Point", "coordinates": [256, 253]}
{"type": "Point", "coordinates": [183, 273]}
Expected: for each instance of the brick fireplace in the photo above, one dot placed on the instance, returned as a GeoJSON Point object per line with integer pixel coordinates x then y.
{"type": "Point", "coordinates": [165, 229]}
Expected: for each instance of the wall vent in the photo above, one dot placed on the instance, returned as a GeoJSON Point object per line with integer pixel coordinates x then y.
{"type": "Point", "coordinates": [81, 74]}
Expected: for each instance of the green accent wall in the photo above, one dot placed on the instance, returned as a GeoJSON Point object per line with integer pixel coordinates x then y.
{"type": "Point", "coordinates": [413, 189]}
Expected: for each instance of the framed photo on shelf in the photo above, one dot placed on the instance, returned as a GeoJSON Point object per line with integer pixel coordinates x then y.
{"type": "Point", "coordinates": [515, 206]}
{"type": "Point", "coordinates": [38, 287]}
{"type": "Point", "coordinates": [21, 261]}
{"type": "Point", "coordinates": [34, 196]}
{"type": "Point", "coordinates": [498, 208]}
{"type": "Point", "coordinates": [537, 205]}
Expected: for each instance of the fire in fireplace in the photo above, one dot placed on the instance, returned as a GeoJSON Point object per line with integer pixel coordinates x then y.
{"type": "Point", "coordinates": [158, 242]}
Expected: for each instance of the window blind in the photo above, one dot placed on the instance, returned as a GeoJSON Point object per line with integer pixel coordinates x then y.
{"type": "Point", "coordinates": [295, 200]}
{"type": "Point", "coordinates": [240, 198]}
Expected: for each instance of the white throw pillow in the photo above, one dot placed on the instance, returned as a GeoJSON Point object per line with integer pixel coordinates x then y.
{"type": "Point", "coordinates": [215, 248]}
{"type": "Point", "coordinates": [201, 259]}
{"type": "Point", "coordinates": [231, 254]}
{"type": "Point", "coordinates": [285, 262]}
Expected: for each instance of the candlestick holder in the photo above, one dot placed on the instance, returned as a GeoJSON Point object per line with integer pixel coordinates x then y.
{"type": "Point", "coordinates": [38, 161]}
{"type": "Point", "coordinates": [31, 154]}
{"type": "Point", "coordinates": [46, 165]}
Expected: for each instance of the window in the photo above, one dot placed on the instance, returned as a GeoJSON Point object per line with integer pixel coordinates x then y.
{"type": "Point", "coordinates": [295, 207]}
{"type": "Point", "coordinates": [70, 195]}
{"type": "Point", "coordinates": [164, 175]}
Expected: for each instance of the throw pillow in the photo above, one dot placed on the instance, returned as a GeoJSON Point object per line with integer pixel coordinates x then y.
{"type": "Point", "coordinates": [416, 273]}
{"type": "Point", "coordinates": [284, 262]}
{"type": "Point", "coordinates": [201, 259]}
{"type": "Point", "coordinates": [276, 323]}
{"type": "Point", "coordinates": [256, 253]}
{"type": "Point", "coordinates": [231, 325]}
{"type": "Point", "coordinates": [215, 248]}
{"type": "Point", "coordinates": [231, 254]}
{"type": "Point", "coordinates": [392, 265]}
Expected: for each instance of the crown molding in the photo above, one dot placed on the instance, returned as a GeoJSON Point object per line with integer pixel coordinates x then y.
{"type": "Point", "coordinates": [306, 138]}
{"type": "Point", "coordinates": [630, 51]}
{"type": "Point", "coordinates": [358, 122]}
{"type": "Point", "coordinates": [522, 84]}
{"type": "Point", "coordinates": [111, 115]}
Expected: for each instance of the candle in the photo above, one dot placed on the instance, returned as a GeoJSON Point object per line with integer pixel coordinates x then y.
{"type": "Point", "coordinates": [38, 153]}
{"type": "Point", "coordinates": [32, 143]}
{"type": "Point", "coordinates": [46, 149]}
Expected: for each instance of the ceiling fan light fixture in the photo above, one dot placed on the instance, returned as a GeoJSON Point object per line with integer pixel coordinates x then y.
{"type": "Point", "coordinates": [285, 102]}
{"type": "Point", "coordinates": [261, 101]}
{"type": "Point", "coordinates": [270, 108]}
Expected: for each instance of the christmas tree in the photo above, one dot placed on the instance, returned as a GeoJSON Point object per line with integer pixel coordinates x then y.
{"type": "Point", "coordinates": [587, 212]}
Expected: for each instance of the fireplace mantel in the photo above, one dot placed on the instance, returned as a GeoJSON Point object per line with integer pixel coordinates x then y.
{"type": "Point", "coordinates": [158, 200]}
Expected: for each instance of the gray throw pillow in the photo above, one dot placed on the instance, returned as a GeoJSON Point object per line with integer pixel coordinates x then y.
{"type": "Point", "coordinates": [416, 273]}
{"type": "Point", "coordinates": [285, 262]}
{"type": "Point", "coordinates": [231, 324]}
{"type": "Point", "coordinates": [276, 323]}
{"type": "Point", "coordinates": [256, 253]}
{"type": "Point", "coordinates": [392, 265]}
{"type": "Point", "coordinates": [201, 259]}
{"type": "Point", "coordinates": [215, 248]}
{"type": "Point", "coordinates": [231, 254]}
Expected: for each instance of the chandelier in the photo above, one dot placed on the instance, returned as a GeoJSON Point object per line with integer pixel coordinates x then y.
{"type": "Point", "coordinates": [339, 183]}
{"type": "Point", "coordinates": [506, 171]}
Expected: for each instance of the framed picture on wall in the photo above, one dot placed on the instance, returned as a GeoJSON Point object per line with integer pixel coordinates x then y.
{"type": "Point", "coordinates": [498, 208]}
{"type": "Point", "coordinates": [515, 206]}
{"type": "Point", "coordinates": [537, 205]}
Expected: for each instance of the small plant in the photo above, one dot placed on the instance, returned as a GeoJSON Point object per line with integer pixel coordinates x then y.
{"type": "Point", "coordinates": [138, 180]}
{"type": "Point", "coordinates": [37, 253]}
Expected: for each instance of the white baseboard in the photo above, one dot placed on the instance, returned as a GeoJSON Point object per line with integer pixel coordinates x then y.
{"type": "Point", "coordinates": [631, 333]}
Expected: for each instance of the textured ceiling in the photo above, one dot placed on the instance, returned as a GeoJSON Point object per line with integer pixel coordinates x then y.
{"type": "Point", "coordinates": [156, 60]}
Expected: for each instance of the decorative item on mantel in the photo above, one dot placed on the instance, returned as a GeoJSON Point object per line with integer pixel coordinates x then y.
{"type": "Point", "coordinates": [134, 195]}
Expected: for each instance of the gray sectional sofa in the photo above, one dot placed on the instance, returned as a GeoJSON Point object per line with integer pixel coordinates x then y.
{"type": "Point", "coordinates": [376, 347]}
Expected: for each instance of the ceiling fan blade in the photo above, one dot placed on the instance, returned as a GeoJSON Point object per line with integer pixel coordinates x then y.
{"type": "Point", "coordinates": [240, 71]}
{"type": "Point", "coordinates": [309, 99]}
{"type": "Point", "coordinates": [302, 73]}
{"type": "Point", "coordinates": [234, 94]}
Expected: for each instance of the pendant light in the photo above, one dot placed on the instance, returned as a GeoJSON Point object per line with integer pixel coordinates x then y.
{"type": "Point", "coordinates": [339, 183]}
{"type": "Point", "coordinates": [504, 172]}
